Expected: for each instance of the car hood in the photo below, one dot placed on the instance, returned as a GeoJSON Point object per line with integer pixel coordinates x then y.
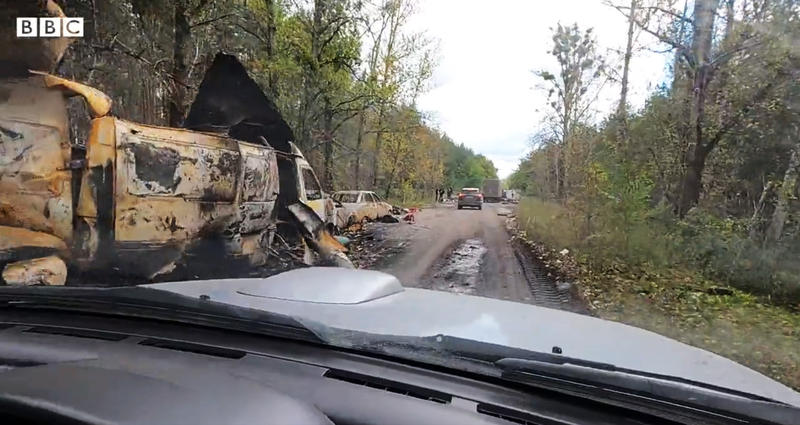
{"type": "Point", "coordinates": [375, 302]}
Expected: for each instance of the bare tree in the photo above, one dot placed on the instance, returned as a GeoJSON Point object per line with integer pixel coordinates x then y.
{"type": "Point", "coordinates": [573, 89]}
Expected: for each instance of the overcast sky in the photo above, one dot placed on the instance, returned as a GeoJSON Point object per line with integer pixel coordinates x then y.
{"type": "Point", "coordinates": [484, 94]}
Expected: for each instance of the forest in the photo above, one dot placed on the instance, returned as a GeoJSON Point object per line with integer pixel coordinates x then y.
{"type": "Point", "coordinates": [682, 216]}
{"type": "Point", "coordinates": [706, 172]}
{"type": "Point", "coordinates": [345, 74]}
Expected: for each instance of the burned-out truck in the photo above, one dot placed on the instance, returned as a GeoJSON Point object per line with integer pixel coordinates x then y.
{"type": "Point", "coordinates": [135, 199]}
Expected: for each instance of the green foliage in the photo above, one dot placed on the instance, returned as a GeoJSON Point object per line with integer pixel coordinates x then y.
{"type": "Point", "coordinates": [621, 181]}
{"type": "Point", "coordinates": [718, 248]}
{"type": "Point", "coordinates": [519, 180]}
{"type": "Point", "coordinates": [463, 168]}
{"type": "Point", "coordinates": [626, 232]}
{"type": "Point", "coordinates": [674, 299]}
{"type": "Point", "coordinates": [549, 222]}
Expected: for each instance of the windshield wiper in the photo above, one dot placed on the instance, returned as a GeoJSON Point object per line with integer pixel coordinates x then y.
{"type": "Point", "coordinates": [659, 395]}
{"type": "Point", "coordinates": [154, 304]}
{"type": "Point", "coordinates": [605, 382]}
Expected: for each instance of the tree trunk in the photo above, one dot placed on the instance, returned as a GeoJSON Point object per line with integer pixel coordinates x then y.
{"type": "Point", "coordinates": [396, 20]}
{"type": "Point", "coordinates": [378, 140]}
{"type": "Point", "coordinates": [390, 180]}
{"type": "Point", "coordinates": [272, 76]}
{"type": "Point", "coordinates": [557, 169]}
{"type": "Point", "coordinates": [359, 141]}
{"type": "Point", "coordinates": [692, 184]}
{"type": "Point", "coordinates": [756, 219]}
{"type": "Point", "coordinates": [177, 102]}
{"type": "Point", "coordinates": [785, 194]}
{"type": "Point", "coordinates": [729, 17]}
{"type": "Point", "coordinates": [565, 159]}
{"type": "Point", "coordinates": [311, 75]}
{"type": "Point", "coordinates": [327, 175]}
{"type": "Point", "coordinates": [676, 63]}
{"type": "Point", "coordinates": [703, 29]}
{"type": "Point", "coordinates": [622, 108]}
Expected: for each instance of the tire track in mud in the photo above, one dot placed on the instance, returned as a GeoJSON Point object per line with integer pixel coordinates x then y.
{"type": "Point", "coordinates": [546, 291]}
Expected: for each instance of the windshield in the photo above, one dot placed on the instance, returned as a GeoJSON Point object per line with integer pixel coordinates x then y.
{"type": "Point", "coordinates": [632, 161]}
{"type": "Point", "coordinates": [346, 197]}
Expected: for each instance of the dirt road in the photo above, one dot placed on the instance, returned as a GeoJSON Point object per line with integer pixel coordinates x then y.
{"type": "Point", "coordinates": [464, 251]}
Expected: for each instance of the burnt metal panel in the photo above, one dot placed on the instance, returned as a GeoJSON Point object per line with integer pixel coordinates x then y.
{"type": "Point", "coordinates": [173, 185]}
{"type": "Point", "coordinates": [95, 209]}
{"type": "Point", "coordinates": [179, 186]}
{"type": "Point", "coordinates": [34, 150]}
{"type": "Point", "coordinates": [260, 188]}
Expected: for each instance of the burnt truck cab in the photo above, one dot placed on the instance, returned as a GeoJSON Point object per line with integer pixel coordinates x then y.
{"type": "Point", "coordinates": [310, 191]}
{"type": "Point", "coordinates": [134, 197]}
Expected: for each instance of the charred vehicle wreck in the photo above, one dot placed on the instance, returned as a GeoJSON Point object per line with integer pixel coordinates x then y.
{"type": "Point", "coordinates": [136, 199]}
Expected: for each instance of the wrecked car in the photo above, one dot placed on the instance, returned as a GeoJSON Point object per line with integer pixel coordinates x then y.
{"type": "Point", "coordinates": [136, 198]}
{"type": "Point", "coordinates": [357, 206]}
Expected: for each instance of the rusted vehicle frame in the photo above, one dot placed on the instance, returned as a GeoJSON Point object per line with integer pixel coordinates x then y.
{"type": "Point", "coordinates": [137, 197]}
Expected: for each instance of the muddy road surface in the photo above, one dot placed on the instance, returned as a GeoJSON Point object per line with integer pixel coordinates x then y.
{"type": "Point", "coordinates": [465, 251]}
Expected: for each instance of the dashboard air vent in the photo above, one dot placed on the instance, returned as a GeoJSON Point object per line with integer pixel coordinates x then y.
{"type": "Point", "coordinates": [193, 348]}
{"type": "Point", "coordinates": [78, 333]}
{"type": "Point", "coordinates": [514, 416]}
{"type": "Point", "coordinates": [390, 386]}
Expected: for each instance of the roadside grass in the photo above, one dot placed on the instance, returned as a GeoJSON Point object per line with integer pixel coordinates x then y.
{"type": "Point", "coordinates": [549, 221]}
{"type": "Point", "coordinates": [667, 297]}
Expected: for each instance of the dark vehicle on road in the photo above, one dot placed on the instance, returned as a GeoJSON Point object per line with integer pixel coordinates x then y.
{"type": "Point", "coordinates": [470, 197]}
{"type": "Point", "coordinates": [492, 190]}
{"type": "Point", "coordinates": [335, 346]}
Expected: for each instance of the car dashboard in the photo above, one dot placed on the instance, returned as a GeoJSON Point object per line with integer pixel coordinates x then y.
{"type": "Point", "coordinates": [87, 369]}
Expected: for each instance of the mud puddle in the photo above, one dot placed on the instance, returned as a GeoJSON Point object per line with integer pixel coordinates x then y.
{"type": "Point", "coordinates": [460, 270]}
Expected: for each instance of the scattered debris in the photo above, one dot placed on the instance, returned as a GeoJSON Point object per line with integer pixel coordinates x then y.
{"type": "Point", "coordinates": [389, 219]}
{"type": "Point", "coordinates": [719, 290]}
{"type": "Point", "coordinates": [563, 286]}
{"type": "Point", "coordinates": [410, 216]}
{"type": "Point", "coordinates": [371, 244]}
{"type": "Point", "coordinates": [15, 239]}
{"type": "Point", "coordinates": [330, 251]}
{"type": "Point", "coordinates": [564, 251]}
{"type": "Point", "coordinates": [38, 271]}
{"type": "Point", "coordinates": [344, 240]}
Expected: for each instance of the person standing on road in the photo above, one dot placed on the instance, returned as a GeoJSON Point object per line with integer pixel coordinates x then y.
{"type": "Point", "coordinates": [450, 193]}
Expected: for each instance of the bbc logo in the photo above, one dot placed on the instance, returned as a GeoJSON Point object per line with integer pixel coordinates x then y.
{"type": "Point", "coordinates": [49, 27]}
